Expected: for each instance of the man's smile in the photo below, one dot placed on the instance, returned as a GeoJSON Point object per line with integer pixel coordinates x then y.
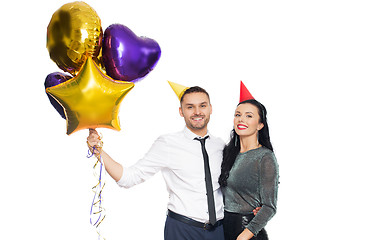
{"type": "Point", "coordinates": [197, 118]}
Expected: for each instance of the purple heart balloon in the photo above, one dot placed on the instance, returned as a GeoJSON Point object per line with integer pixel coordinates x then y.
{"type": "Point", "coordinates": [126, 56]}
{"type": "Point", "coordinates": [55, 79]}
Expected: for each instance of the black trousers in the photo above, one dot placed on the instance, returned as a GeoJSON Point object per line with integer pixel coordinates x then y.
{"type": "Point", "coordinates": [233, 225]}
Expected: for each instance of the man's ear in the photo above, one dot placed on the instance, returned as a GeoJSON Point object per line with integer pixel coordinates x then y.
{"type": "Point", "coordinates": [181, 112]}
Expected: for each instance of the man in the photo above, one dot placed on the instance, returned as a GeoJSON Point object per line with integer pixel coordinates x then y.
{"type": "Point", "coordinates": [195, 208]}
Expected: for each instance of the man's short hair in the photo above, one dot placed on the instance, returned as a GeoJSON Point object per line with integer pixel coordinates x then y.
{"type": "Point", "coordinates": [194, 89]}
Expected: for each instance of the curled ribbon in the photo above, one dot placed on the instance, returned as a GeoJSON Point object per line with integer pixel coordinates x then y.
{"type": "Point", "coordinates": [96, 206]}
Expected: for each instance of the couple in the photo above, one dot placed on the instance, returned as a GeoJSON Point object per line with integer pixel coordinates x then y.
{"type": "Point", "coordinates": [214, 190]}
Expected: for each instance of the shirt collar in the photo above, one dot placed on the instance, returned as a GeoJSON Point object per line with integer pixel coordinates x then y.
{"type": "Point", "coordinates": [190, 135]}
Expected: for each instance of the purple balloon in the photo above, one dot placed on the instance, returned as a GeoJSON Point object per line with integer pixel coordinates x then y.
{"type": "Point", "coordinates": [126, 56]}
{"type": "Point", "coordinates": [55, 79]}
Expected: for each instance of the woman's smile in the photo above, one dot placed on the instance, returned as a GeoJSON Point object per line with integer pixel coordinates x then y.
{"type": "Point", "coordinates": [241, 127]}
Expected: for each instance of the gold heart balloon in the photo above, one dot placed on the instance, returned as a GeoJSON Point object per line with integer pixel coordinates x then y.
{"type": "Point", "coordinates": [74, 33]}
{"type": "Point", "coordinates": [91, 99]}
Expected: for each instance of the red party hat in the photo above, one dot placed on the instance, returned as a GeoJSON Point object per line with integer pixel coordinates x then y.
{"type": "Point", "coordinates": [244, 93]}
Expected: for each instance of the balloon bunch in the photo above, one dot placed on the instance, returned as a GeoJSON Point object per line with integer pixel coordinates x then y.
{"type": "Point", "coordinates": [101, 68]}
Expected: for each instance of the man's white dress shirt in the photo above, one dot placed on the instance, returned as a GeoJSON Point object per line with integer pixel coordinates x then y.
{"type": "Point", "coordinates": [179, 157]}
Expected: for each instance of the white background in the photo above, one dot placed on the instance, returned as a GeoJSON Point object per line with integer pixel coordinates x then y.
{"type": "Point", "coordinates": [309, 62]}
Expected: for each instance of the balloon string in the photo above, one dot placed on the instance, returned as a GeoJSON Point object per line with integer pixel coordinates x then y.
{"type": "Point", "coordinates": [96, 206]}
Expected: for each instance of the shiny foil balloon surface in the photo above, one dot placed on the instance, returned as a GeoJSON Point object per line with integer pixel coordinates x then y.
{"type": "Point", "coordinates": [52, 80]}
{"type": "Point", "coordinates": [126, 56]}
{"type": "Point", "coordinates": [74, 33]}
{"type": "Point", "coordinates": [91, 99]}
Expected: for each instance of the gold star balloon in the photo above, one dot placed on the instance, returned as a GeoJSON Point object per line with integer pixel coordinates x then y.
{"type": "Point", "coordinates": [91, 99]}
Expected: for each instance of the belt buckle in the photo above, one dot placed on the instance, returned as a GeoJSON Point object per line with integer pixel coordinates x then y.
{"type": "Point", "coordinates": [207, 226]}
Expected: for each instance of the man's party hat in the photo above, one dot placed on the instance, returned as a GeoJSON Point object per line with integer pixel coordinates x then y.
{"type": "Point", "coordinates": [178, 89]}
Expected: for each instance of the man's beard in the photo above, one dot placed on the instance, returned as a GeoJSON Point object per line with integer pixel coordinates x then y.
{"type": "Point", "coordinates": [198, 126]}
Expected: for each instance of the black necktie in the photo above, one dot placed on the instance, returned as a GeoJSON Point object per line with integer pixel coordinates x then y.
{"type": "Point", "coordinates": [208, 182]}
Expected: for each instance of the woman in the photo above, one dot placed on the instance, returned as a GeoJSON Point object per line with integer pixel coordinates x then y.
{"type": "Point", "coordinates": [249, 174]}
